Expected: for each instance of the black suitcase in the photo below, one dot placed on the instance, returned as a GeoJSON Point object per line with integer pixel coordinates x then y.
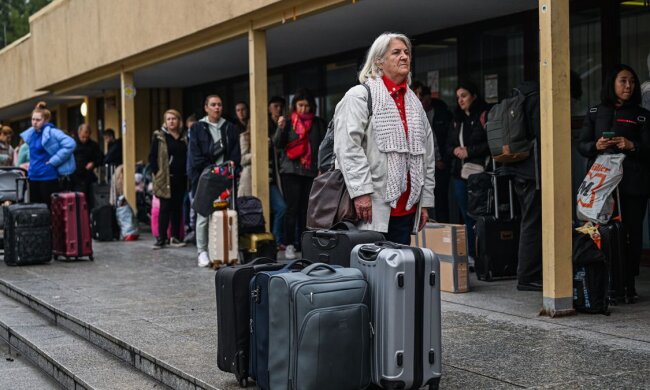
{"type": "Point", "coordinates": [28, 234]}
{"type": "Point", "coordinates": [103, 223]}
{"type": "Point", "coordinates": [334, 246]}
{"type": "Point", "coordinates": [233, 315]}
{"type": "Point", "coordinates": [497, 241]}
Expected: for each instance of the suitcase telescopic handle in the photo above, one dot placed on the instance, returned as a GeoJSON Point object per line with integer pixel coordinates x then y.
{"type": "Point", "coordinates": [316, 266]}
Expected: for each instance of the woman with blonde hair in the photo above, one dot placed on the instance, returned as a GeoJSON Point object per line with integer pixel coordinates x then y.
{"type": "Point", "coordinates": [50, 154]}
{"type": "Point", "coordinates": [167, 159]}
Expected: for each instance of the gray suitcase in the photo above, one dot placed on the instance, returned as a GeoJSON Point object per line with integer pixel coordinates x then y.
{"type": "Point", "coordinates": [405, 310]}
{"type": "Point", "coordinates": [319, 329]}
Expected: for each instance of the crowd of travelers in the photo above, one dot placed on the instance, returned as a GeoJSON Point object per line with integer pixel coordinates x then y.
{"type": "Point", "coordinates": [403, 164]}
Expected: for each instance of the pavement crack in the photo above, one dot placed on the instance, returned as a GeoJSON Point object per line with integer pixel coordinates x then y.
{"type": "Point", "coordinates": [485, 376]}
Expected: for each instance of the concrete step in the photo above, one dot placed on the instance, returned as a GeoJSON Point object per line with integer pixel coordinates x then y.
{"type": "Point", "coordinates": [18, 373]}
{"type": "Point", "coordinates": [71, 361]}
{"type": "Point", "coordinates": [148, 364]}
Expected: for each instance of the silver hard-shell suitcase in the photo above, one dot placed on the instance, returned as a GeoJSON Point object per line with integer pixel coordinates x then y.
{"type": "Point", "coordinates": [405, 312]}
{"type": "Point", "coordinates": [319, 329]}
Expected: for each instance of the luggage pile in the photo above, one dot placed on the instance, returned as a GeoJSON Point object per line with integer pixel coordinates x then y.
{"type": "Point", "coordinates": [314, 324]}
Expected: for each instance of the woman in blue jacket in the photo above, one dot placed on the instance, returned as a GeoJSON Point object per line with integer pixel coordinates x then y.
{"type": "Point", "coordinates": [50, 153]}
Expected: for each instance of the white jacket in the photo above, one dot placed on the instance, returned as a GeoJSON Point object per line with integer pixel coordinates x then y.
{"type": "Point", "coordinates": [364, 166]}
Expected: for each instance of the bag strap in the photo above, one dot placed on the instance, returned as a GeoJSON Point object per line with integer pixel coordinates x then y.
{"type": "Point", "coordinates": [344, 225]}
{"type": "Point", "coordinates": [369, 102]}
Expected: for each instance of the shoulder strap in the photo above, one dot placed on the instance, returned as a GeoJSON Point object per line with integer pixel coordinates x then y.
{"type": "Point", "coordinates": [369, 100]}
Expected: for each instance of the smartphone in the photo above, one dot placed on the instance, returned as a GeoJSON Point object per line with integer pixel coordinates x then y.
{"type": "Point", "coordinates": [609, 134]}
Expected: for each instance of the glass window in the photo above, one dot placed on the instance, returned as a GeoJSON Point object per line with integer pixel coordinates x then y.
{"type": "Point", "coordinates": [635, 45]}
{"type": "Point", "coordinates": [339, 77]}
{"type": "Point", "coordinates": [586, 60]}
{"type": "Point", "coordinates": [436, 65]}
{"type": "Point", "coordinates": [240, 93]}
{"type": "Point", "coordinates": [496, 61]}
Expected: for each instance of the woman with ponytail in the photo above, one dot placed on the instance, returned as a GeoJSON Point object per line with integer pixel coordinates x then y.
{"type": "Point", "coordinates": [50, 153]}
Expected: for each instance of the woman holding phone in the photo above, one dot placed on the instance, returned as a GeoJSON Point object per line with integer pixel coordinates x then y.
{"type": "Point", "coordinates": [620, 125]}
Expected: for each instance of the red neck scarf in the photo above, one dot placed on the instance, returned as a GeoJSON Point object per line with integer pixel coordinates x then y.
{"type": "Point", "coordinates": [302, 125]}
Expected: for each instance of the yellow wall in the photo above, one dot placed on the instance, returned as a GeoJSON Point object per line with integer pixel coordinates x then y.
{"type": "Point", "coordinates": [17, 81]}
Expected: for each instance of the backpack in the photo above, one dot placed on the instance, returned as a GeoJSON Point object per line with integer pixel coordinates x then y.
{"type": "Point", "coordinates": [326, 148]}
{"type": "Point", "coordinates": [507, 129]}
{"type": "Point", "coordinates": [250, 215]}
{"type": "Point", "coordinates": [590, 276]}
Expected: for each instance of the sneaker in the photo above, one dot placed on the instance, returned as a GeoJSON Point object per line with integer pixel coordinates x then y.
{"type": "Point", "coordinates": [176, 243]}
{"type": "Point", "coordinates": [290, 252]}
{"type": "Point", "coordinates": [160, 243]}
{"type": "Point", "coordinates": [190, 238]}
{"type": "Point", "coordinates": [204, 260]}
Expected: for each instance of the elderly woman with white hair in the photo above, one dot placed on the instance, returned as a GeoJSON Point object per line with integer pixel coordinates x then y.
{"type": "Point", "coordinates": [387, 158]}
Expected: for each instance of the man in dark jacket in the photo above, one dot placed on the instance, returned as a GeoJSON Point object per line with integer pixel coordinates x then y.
{"type": "Point", "coordinates": [213, 140]}
{"type": "Point", "coordinates": [441, 120]}
{"type": "Point", "coordinates": [113, 149]}
{"type": "Point", "coordinates": [88, 156]}
{"type": "Point", "coordinates": [527, 187]}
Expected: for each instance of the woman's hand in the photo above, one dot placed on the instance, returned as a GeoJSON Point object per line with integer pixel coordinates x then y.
{"type": "Point", "coordinates": [604, 143]}
{"type": "Point", "coordinates": [282, 122]}
{"type": "Point", "coordinates": [460, 152]}
{"type": "Point", "coordinates": [622, 143]}
{"type": "Point", "coordinates": [363, 206]}
{"type": "Point", "coordinates": [424, 217]}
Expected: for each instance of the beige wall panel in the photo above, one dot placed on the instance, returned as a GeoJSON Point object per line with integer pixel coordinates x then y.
{"type": "Point", "coordinates": [80, 36]}
{"type": "Point", "coordinates": [143, 124]}
{"type": "Point", "coordinates": [17, 76]}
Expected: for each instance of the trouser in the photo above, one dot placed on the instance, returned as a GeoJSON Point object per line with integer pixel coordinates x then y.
{"type": "Point", "coordinates": [399, 229]}
{"type": "Point", "coordinates": [41, 191]}
{"type": "Point", "coordinates": [278, 209]}
{"type": "Point", "coordinates": [84, 184]}
{"type": "Point", "coordinates": [633, 210]}
{"type": "Point", "coordinates": [296, 190]}
{"type": "Point", "coordinates": [530, 232]}
{"type": "Point", "coordinates": [171, 209]}
{"type": "Point", "coordinates": [460, 192]}
{"type": "Point", "coordinates": [441, 192]}
{"type": "Point", "coordinates": [201, 233]}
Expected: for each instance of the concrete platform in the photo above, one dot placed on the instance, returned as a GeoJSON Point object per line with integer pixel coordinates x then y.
{"type": "Point", "coordinates": [160, 304]}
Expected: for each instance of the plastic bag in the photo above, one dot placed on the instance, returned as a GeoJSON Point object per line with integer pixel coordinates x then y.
{"type": "Point", "coordinates": [595, 200]}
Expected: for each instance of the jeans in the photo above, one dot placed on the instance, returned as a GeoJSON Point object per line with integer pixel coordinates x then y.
{"type": "Point", "coordinates": [278, 208]}
{"type": "Point", "coordinates": [460, 192]}
{"type": "Point", "coordinates": [399, 229]}
{"type": "Point", "coordinates": [296, 189]}
{"type": "Point", "coordinates": [201, 233]}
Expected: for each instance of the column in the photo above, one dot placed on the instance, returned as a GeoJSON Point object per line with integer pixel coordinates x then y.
{"type": "Point", "coordinates": [128, 134]}
{"type": "Point", "coordinates": [556, 150]}
{"type": "Point", "coordinates": [259, 119]}
{"type": "Point", "coordinates": [62, 117]}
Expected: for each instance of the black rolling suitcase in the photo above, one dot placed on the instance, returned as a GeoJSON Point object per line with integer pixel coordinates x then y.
{"type": "Point", "coordinates": [28, 234]}
{"type": "Point", "coordinates": [103, 223]}
{"type": "Point", "coordinates": [334, 246]}
{"type": "Point", "coordinates": [233, 315]}
{"type": "Point", "coordinates": [497, 241]}
{"type": "Point", "coordinates": [613, 242]}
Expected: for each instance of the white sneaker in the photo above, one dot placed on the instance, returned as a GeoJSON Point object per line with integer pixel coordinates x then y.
{"type": "Point", "coordinates": [290, 252]}
{"type": "Point", "coordinates": [204, 260]}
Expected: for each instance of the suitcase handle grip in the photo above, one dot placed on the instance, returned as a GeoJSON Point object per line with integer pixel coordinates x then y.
{"type": "Point", "coordinates": [369, 252]}
{"type": "Point", "coordinates": [316, 266]}
{"type": "Point", "coordinates": [344, 225]}
{"type": "Point", "coordinates": [300, 263]}
{"type": "Point", "coordinates": [262, 260]}
{"type": "Point", "coordinates": [324, 240]}
{"type": "Point", "coordinates": [389, 244]}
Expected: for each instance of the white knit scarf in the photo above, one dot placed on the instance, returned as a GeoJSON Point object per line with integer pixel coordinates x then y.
{"type": "Point", "coordinates": [404, 154]}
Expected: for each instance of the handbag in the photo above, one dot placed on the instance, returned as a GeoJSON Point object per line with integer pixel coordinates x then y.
{"type": "Point", "coordinates": [297, 148]}
{"type": "Point", "coordinates": [468, 168]}
{"type": "Point", "coordinates": [329, 201]}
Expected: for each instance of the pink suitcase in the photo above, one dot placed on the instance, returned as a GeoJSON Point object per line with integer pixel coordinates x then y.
{"type": "Point", "coordinates": [71, 237]}
{"type": "Point", "coordinates": [155, 211]}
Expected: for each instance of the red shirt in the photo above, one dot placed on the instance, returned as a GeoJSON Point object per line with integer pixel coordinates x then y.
{"type": "Point", "coordinates": [397, 92]}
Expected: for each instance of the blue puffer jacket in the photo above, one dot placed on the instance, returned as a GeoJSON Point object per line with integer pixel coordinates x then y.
{"type": "Point", "coordinates": [59, 145]}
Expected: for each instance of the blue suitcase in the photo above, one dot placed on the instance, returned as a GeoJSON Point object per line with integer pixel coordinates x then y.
{"type": "Point", "coordinates": [259, 322]}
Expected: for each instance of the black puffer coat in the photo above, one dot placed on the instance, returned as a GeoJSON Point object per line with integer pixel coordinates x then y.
{"type": "Point", "coordinates": [474, 136]}
{"type": "Point", "coordinates": [629, 121]}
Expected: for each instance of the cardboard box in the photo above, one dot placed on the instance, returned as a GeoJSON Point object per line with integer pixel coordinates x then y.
{"type": "Point", "coordinates": [449, 242]}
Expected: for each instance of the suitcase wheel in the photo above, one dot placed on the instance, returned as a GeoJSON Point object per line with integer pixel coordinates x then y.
{"type": "Point", "coordinates": [55, 257]}
{"type": "Point", "coordinates": [91, 258]}
{"type": "Point", "coordinates": [243, 382]}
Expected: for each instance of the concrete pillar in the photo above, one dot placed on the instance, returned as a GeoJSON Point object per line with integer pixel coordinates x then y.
{"type": "Point", "coordinates": [91, 116]}
{"type": "Point", "coordinates": [556, 151]}
{"type": "Point", "coordinates": [62, 117]}
{"type": "Point", "coordinates": [259, 119]}
{"type": "Point", "coordinates": [128, 133]}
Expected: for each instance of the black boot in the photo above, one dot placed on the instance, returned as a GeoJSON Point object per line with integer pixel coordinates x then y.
{"type": "Point", "coordinates": [160, 243]}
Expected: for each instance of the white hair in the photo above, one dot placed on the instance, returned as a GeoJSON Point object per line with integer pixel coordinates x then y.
{"type": "Point", "coordinates": [376, 55]}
